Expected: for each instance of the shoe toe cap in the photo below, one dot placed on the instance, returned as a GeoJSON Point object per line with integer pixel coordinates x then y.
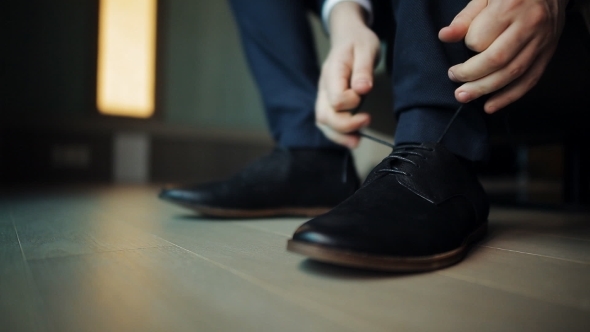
{"type": "Point", "coordinates": [309, 234]}
{"type": "Point", "coordinates": [182, 195]}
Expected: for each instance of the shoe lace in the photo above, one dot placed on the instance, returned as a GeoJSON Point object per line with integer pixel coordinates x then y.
{"type": "Point", "coordinates": [399, 152]}
{"type": "Point", "coordinates": [380, 141]}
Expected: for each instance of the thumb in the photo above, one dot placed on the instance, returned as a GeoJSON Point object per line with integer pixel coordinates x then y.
{"type": "Point", "coordinates": [457, 30]}
{"type": "Point", "coordinates": [361, 80]}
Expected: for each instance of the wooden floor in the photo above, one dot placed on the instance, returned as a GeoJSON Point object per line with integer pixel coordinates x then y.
{"type": "Point", "coordinates": [117, 259]}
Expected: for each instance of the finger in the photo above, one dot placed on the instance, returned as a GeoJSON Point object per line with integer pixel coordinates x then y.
{"type": "Point", "coordinates": [342, 122]}
{"type": "Point", "coordinates": [336, 79]}
{"type": "Point", "coordinates": [324, 122]}
{"type": "Point", "coordinates": [458, 28]}
{"type": "Point", "coordinates": [503, 50]}
{"type": "Point", "coordinates": [343, 101]}
{"type": "Point", "coordinates": [349, 100]}
{"type": "Point", "coordinates": [520, 87]}
{"type": "Point", "coordinates": [350, 141]}
{"type": "Point", "coordinates": [362, 70]}
{"type": "Point", "coordinates": [499, 79]}
{"type": "Point", "coordinates": [485, 29]}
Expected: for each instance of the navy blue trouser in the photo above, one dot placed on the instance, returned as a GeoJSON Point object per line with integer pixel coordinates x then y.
{"type": "Point", "coordinates": [279, 47]}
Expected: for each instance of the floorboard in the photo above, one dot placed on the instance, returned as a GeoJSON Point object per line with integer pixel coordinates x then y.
{"type": "Point", "coordinates": [262, 255]}
{"type": "Point", "coordinates": [64, 226]}
{"type": "Point", "coordinates": [161, 289]}
{"type": "Point", "coordinates": [118, 259]}
{"type": "Point", "coordinates": [20, 303]}
{"type": "Point", "coordinates": [547, 245]}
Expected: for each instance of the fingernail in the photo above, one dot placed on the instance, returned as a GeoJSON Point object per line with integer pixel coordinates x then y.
{"type": "Point", "coordinates": [364, 81]}
{"type": "Point", "coordinates": [464, 96]}
{"type": "Point", "coordinates": [491, 109]}
{"type": "Point", "coordinates": [452, 76]}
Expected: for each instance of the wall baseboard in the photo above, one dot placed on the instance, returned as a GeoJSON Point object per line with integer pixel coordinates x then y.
{"type": "Point", "coordinates": [92, 153]}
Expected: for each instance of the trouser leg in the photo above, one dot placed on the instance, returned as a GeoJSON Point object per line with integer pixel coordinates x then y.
{"type": "Point", "coordinates": [423, 95]}
{"type": "Point", "coordinates": [279, 47]}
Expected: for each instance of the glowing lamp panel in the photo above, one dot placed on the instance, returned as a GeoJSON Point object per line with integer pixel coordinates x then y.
{"type": "Point", "coordinates": [126, 57]}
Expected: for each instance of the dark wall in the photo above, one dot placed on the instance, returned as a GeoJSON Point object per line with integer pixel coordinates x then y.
{"type": "Point", "coordinates": [49, 64]}
{"type": "Point", "coordinates": [50, 57]}
{"type": "Point", "coordinates": [48, 83]}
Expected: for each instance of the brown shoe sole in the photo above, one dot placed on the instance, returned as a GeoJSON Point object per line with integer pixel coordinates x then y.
{"type": "Point", "coordinates": [261, 213]}
{"type": "Point", "coordinates": [386, 263]}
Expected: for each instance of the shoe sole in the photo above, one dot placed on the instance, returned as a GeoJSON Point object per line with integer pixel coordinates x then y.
{"type": "Point", "coordinates": [386, 263]}
{"type": "Point", "coordinates": [261, 213]}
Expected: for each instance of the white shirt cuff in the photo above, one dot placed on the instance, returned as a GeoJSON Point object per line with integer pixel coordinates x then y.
{"type": "Point", "coordinates": [329, 5]}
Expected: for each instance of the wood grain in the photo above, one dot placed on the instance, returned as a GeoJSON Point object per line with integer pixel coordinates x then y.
{"type": "Point", "coordinates": [20, 303]}
{"type": "Point", "coordinates": [161, 289]}
{"type": "Point", "coordinates": [389, 299]}
{"type": "Point", "coordinates": [64, 225]}
{"type": "Point", "coordinates": [118, 259]}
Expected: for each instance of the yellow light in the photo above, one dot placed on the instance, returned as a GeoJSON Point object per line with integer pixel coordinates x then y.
{"type": "Point", "coordinates": [127, 57]}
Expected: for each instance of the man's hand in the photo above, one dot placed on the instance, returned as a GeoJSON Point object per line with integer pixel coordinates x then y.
{"type": "Point", "coordinates": [515, 40]}
{"type": "Point", "coordinates": [347, 74]}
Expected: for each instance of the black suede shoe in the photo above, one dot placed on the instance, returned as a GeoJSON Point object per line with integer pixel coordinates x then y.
{"type": "Point", "coordinates": [418, 210]}
{"type": "Point", "coordinates": [296, 182]}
